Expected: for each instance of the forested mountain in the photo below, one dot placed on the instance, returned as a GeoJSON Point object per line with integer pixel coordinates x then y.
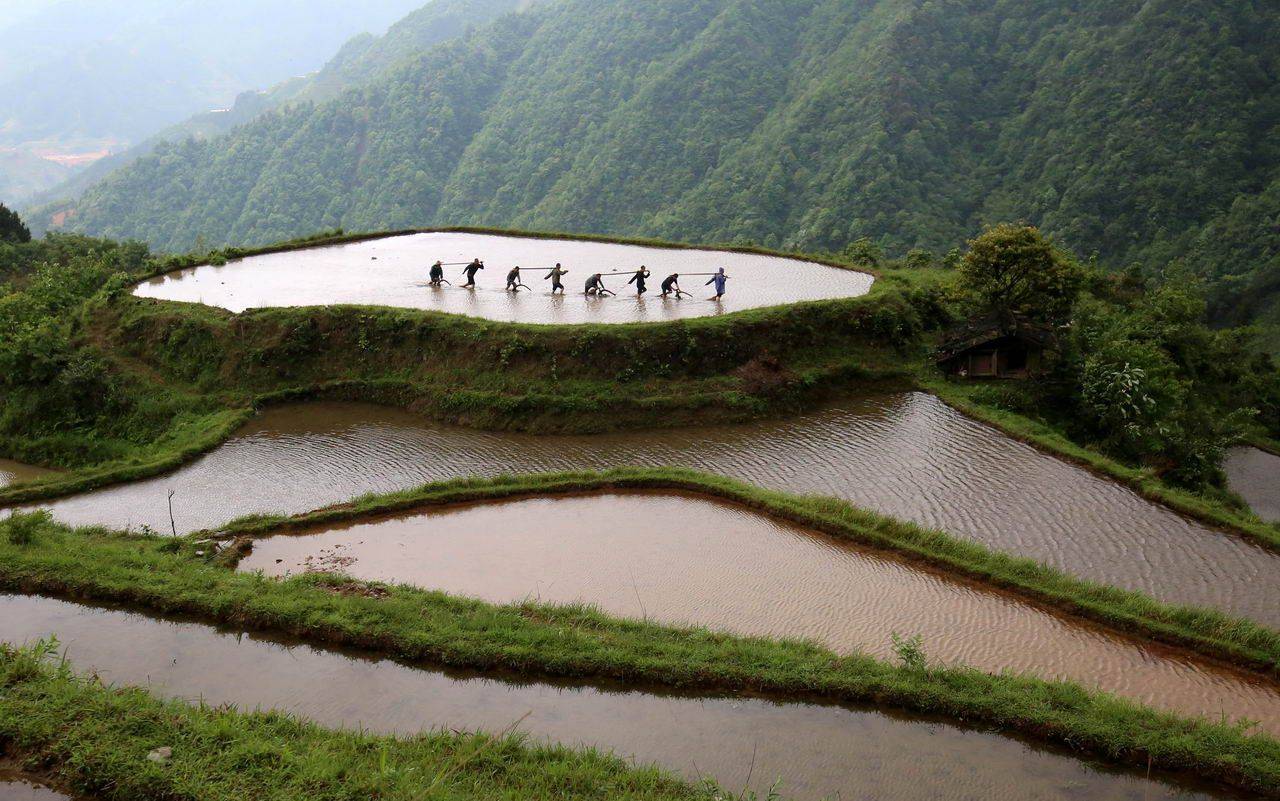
{"type": "Point", "coordinates": [88, 74]}
{"type": "Point", "coordinates": [360, 60]}
{"type": "Point", "coordinates": [1145, 130]}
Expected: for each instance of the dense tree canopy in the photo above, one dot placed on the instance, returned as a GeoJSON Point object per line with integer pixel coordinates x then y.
{"type": "Point", "coordinates": [1014, 269]}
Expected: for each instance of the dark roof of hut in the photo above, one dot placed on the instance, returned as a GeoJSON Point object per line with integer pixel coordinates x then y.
{"type": "Point", "coordinates": [980, 331]}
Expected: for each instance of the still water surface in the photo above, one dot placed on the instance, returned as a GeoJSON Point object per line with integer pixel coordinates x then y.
{"type": "Point", "coordinates": [815, 750]}
{"type": "Point", "coordinates": [1254, 474]}
{"type": "Point", "coordinates": [17, 786]}
{"type": "Point", "coordinates": [908, 455]}
{"type": "Point", "coordinates": [678, 559]}
{"type": "Point", "coordinates": [393, 272]}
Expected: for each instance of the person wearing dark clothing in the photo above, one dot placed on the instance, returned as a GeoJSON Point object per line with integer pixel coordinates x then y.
{"type": "Point", "coordinates": [671, 284]}
{"type": "Point", "coordinates": [513, 280]}
{"type": "Point", "coordinates": [470, 270]}
{"type": "Point", "coordinates": [595, 285]}
{"type": "Point", "coordinates": [555, 276]}
{"type": "Point", "coordinates": [638, 279]}
{"type": "Point", "coordinates": [437, 273]}
{"type": "Point", "coordinates": [718, 279]}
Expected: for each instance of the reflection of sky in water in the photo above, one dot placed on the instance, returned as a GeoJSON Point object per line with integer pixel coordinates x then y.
{"type": "Point", "coordinates": [393, 272]}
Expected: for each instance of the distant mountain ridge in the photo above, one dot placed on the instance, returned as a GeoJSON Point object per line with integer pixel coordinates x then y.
{"type": "Point", "coordinates": [1147, 131]}
{"type": "Point", "coordinates": [359, 60]}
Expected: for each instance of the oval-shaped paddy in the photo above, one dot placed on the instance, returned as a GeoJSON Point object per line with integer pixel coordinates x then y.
{"type": "Point", "coordinates": [393, 272]}
{"type": "Point", "coordinates": [813, 751]}
{"type": "Point", "coordinates": [908, 456]}
{"type": "Point", "coordinates": [678, 559]}
{"type": "Point", "coordinates": [1254, 474]}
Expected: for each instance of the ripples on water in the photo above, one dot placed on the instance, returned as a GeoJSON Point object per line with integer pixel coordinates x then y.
{"type": "Point", "coordinates": [908, 456]}
{"type": "Point", "coordinates": [678, 559]}
{"type": "Point", "coordinates": [393, 271]}
{"type": "Point", "coordinates": [815, 750]}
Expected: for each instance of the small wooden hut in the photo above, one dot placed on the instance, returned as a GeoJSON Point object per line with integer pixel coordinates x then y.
{"type": "Point", "coordinates": [998, 346]}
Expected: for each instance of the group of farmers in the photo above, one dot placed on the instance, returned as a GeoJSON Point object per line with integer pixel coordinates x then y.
{"type": "Point", "coordinates": [595, 283]}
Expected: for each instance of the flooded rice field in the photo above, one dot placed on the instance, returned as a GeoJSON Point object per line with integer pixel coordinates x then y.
{"type": "Point", "coordinates": [1254, 475]}
{"type": "Point", "coordinates": [17, 786]}
{"type": "Point", "coordinates": [16, 472]}
{"type": "Point", "coordinates": [677, 559]}
{"type": "Point", "coordinates": [393, 272]}
{"type": "Point", "coordinates": [814, 750]}
{"type": "Point", "coordinates": [906, 455]}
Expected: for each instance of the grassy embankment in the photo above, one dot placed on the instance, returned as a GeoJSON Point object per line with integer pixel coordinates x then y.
{"type": "Point", "coordinates": [577, 642]}
{"type": "Point", "coordinates": [93, 739]}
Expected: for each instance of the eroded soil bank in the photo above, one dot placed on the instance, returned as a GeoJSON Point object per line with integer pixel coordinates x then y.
{"type": "Point", "coordinates": [815, 750]}
{"type": "Point", "coordinates": [678, 559]}
{"type": "Point", "coordinates": [907, 456]}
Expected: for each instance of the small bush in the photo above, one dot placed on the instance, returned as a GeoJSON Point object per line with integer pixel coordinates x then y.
{"type": "Point", "coordinates": [909, 651]}
{"type": "Point", "coordinates": [20, 528]}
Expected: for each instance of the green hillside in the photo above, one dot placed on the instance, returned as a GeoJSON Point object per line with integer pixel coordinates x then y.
{"type": "Point", "coordinates": [1143, 130]}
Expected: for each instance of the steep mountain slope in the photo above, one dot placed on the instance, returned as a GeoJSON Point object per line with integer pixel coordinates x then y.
{"type": "Point", "coordinates": [1141, 129]}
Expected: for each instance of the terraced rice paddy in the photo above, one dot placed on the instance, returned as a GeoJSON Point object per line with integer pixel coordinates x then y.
{"type": "Point", "coordinates": [393, 272]}
{"type": "Point", "coordinates": [812, 750]}
{"type": "Point", "coordinates": [907, 456]}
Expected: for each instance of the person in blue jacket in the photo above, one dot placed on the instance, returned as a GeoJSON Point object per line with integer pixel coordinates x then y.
{"type": "Point", "coordinates": [719, 280]}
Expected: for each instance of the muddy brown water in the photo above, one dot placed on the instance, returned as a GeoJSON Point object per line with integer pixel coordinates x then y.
{"type": "Point", "coordinates": [1254, 474]}
{"type": "Point", "coordinates": [905, 455]}
{"type": "Point", "coordinates": [393, 272]}
{"type": "Point", "coordinates": [815, 750]}
{"type": "Point", "coordinates": [676, 559]}
{"type": "Point", "coordinates": [18, 786]}
{"type": "Point", "coordinates": [15, 472]}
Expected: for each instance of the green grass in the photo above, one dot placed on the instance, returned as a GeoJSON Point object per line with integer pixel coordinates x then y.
{"type": "Point", "coordinates": [555, 641]}
{"type": "Point", "coordinates": [94, 740]}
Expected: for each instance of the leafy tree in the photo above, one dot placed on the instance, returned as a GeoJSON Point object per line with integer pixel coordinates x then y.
{"type": "Point", "coordinates": [864, 252]}
{"type": "Point", "coordinates": [1016, 269]}
{"type": "Point", "coordinates": [12, 228]}
{"type": "Point", "coordinates": [919, 259]}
